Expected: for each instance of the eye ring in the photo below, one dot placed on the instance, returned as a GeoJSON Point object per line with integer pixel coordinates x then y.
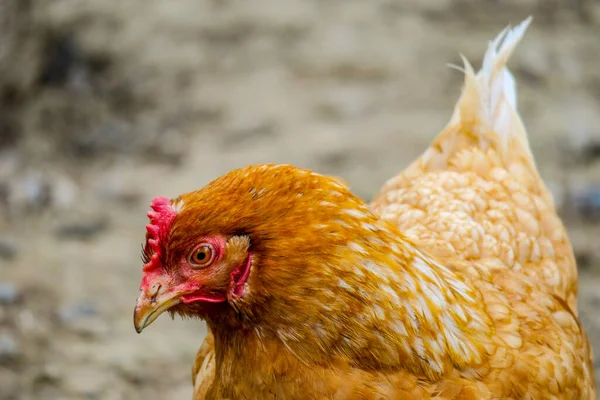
{"type": "Point", "coordinates": [202, 256]}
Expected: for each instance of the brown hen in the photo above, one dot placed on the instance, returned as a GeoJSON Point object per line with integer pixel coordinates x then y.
{"type": "Point", "coordinates": [458, 282]}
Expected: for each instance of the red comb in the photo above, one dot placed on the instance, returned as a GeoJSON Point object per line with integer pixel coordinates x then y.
{"type": "Point", "coordinates": [161, 217]}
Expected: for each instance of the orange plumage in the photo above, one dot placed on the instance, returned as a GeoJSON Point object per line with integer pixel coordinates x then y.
{"type": "Point", "coordinates": [458, 282]}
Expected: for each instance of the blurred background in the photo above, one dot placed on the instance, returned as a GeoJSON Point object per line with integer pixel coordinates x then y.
{"type": "Point", "coordinates": [105, 104]}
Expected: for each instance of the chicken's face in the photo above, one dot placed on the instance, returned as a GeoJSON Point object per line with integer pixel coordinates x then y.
{"type": "Point", "coordinates": [248, 244]}
{"type": "Point", "coordinates": [186, 274]}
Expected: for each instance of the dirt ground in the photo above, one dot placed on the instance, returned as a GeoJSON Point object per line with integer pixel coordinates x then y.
{"type": "Point", "coordinates": [105, 104]}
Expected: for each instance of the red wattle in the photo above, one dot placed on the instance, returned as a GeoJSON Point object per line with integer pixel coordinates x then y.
{"type": "Point", "coordinates": [208, 298]}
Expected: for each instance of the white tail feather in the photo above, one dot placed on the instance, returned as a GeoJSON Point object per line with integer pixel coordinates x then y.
{"type": "Point", "coordinates": [489, 98]}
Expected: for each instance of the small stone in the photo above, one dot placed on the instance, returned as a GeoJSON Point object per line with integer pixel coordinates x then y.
{"type": "Point", "coordinates": [29, 324]}
{"type": "Point", "coordinates": [82, 230]}
{"type": "Point", "coordinates": [114, 135]}
{"type": "Point", "coordinates": [244, 130]}
{"type": "Point", "coordinates": [90, 328]}
{"type": "Point", "coordinates": [84, 320]}
{"type": "Point", "coordinates": [9, 350]}
{"type": "Point", "coordinates": [112, 186]}
{"type": "Point", "coordinates": [27, 321]}
{"type": "Point", "coordinates": [61, 57]}
{"type": "Point", "coordinates": [29, 193]}
{"type": "Point", "coordinates": [8, 248]}
{"type": "Point", "coordinates": [48, 373]}
{"type": "Point", "coordinates": [8, 293]}
{"type": "Point", "coordinates": [63, 192]}
{"type": "Point", "coordinates": [78, 311]}
{"type": "Point", "coordinates": [582, 139]}
{"type": "Point", "coordinates": [171, 150]}
{"type": "Point", "coordinates": [587, 201]}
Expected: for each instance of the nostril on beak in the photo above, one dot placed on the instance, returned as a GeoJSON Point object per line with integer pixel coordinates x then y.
{"type": "Point", "coordinates": [154, 291]}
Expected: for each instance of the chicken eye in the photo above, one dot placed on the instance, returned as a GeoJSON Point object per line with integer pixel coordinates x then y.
{"type": "Point", "coordinates": [202, 256]}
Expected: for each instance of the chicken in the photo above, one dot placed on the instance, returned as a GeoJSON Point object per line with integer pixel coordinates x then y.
{"type": "Point", "coordinates": [457, 282]}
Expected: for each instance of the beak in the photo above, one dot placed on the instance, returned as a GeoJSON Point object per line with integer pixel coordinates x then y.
{"type": "Point", "coordinates": [148, 309]}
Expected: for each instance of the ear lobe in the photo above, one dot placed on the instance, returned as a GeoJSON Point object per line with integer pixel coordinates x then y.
{"type": "Point", "coordinates": [236, 249]}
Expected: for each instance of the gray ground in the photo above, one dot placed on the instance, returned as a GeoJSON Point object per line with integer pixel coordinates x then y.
{"type": "Point", "coordinates": [105, 104]}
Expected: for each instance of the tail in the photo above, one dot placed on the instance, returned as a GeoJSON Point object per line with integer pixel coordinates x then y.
{"type": "Point", "coordinates": [486, 113]}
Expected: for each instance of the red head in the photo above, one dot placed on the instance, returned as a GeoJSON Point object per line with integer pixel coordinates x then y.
{"type": "Point", "coordinates": [254, 235]}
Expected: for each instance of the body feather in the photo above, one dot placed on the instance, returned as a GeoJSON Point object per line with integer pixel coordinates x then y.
{"type": "Point", "coordinates": [483, 185]}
